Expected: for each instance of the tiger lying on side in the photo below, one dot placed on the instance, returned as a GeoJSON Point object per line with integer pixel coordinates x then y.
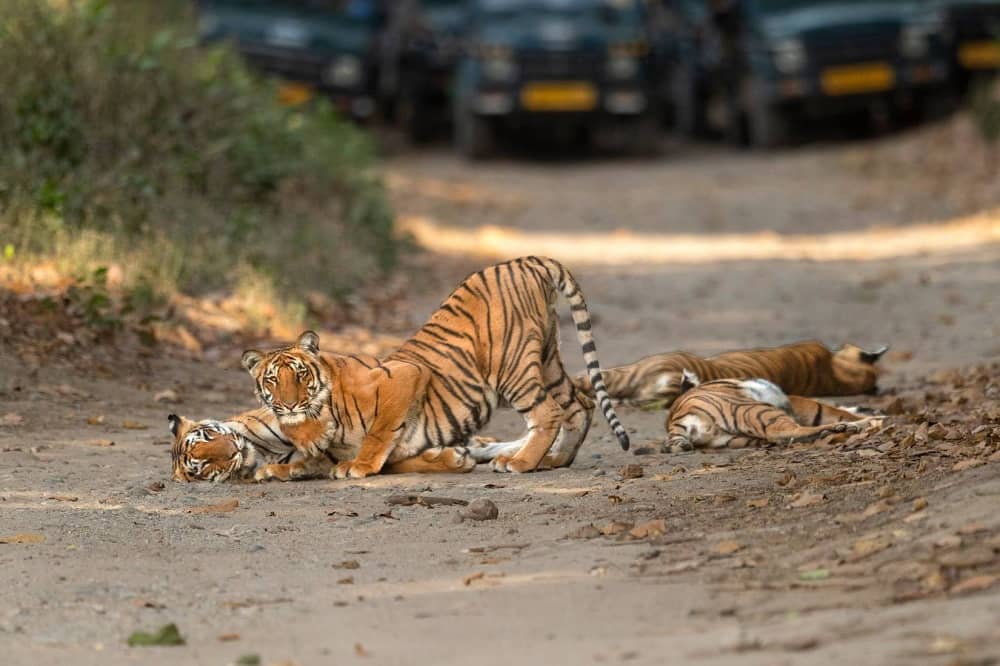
{"type": "Point", "coordinates": [803, 368]}
{"type": "Point", "coordinates": [493, 341]}
{"type": "Point", "coordinates": [742, 412]}
{"type": "Point", "coordinates": [251, 445]}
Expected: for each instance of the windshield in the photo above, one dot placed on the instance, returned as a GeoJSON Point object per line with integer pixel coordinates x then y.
{"type": "Point", "coordinates": [776, 6]}
{"type": "Point", "coordinates": [611, 10]}
{"type": "Point", "coordinates": [362, 10]}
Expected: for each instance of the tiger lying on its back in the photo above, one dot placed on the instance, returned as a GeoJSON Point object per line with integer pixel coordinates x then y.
{"type": "Point", "coordinates": [741, 412]}
{"type": "Point", "coordinates": [493, 341]}
{"type": "Point", "coordinates": [251, 445]}
{"type": "Point", "coordinates": [802, 368]}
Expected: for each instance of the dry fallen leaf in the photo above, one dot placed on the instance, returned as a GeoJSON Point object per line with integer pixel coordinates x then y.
{"type": "Point", "coordinates": [631, 471]}
{"type": "Point", "coordinates": [875, 508]}
{"type": "Point", "coordinates": [101, 442]}
{"type": "Point", "coordinates": [23, 538]}
{"type": "Point", "coordinates": [228, 638]}
{"type": "Point", "coordinates": [727, 547]}
{"type": "Point", "coordinates": [64, 498]}
{"type": "Point", "coordinates": [920, 504]}
{"type": "Point", "coordinates": [968, 463]}
{"type": "Point", "coordinates": [225, 507]}
{"type": "Point", "coordinates": [134, 425]}
{"type": "Point", "coordinates": [584, 532]}
{"type": "Point", "coordinates": [807, 498]}
{"type": "Point", "coordinates": [862, 548]}
{"type": "Point", "coordinates": [347, 564]}
{"type": "Point", "coordinates": [616, 527]}
{"type": "Point", "coordinates": [11, 419]}
{"type": "Point", "coordinates": [468, 580]}
{"type": "Point", "coordinates": [95, 420]}
{"type": "Point", "coordinates": [167, 396]}
{"type": "Point", "coordinates": [974, 584]}
{"type": "Point", "coordinates": [758, 503]}
{"type": "Point", "coordinates": [360, 650]}
{"type": "Point", "coordinates": [650, 530]}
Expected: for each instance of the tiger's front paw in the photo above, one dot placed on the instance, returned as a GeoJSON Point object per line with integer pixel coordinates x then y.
{"type": "Point", "coordinates": [268, 472]}
{"type": "Point", "coordinates": [352, 470]}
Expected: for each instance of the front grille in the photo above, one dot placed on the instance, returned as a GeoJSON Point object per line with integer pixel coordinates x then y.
{"type": "Point", "coordinates": [975, 22]}
{"type": "Point", "coordinates": [854, 48]}
{"type": "Point", "coordinates": [557, 65]}
{"type": "Point", "coordinates": [287, 63]}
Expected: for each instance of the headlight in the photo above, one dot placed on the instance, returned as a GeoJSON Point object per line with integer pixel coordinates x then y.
{"type": "Point", "coordinates": [499, 68]}
{"type": "Point", "coordinates": [914, 40]}
{"type": "Point", "coordinates": [789, 56]}
{"type": "Point", "coordinates": [344, 72]}
{"type": "Point", "coordinates": [622, 67]}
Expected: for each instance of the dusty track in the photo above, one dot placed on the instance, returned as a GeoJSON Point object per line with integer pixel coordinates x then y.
{"type": "Point", "coordinates": [732, 579]}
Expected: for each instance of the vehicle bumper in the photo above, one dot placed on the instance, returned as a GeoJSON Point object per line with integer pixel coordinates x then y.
{"type": "Point", "coordinates": [838, 89]}
{"type": "Point", "coordinates": [580, 101]}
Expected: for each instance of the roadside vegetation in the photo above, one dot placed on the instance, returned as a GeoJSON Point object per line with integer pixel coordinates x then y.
{"type": "Point", "coordinates": [137, 166]}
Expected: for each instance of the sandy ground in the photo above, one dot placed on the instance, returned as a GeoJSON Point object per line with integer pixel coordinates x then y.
{"type": "Point", "coordinates": [741, 569]}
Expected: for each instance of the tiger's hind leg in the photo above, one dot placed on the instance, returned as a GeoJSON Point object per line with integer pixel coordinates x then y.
{"type": "Point", "coordinates": [784, 428]}
{"type": "Point", "coordinates": [454, 459]}
{"type": "Point", "coordinates": [578, 412]}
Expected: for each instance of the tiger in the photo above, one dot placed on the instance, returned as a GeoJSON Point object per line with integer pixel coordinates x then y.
{"type": "Point", "coordinates": [251, 446]}
{"type": "Point", "coordinates": [742, 412]}
{"type": "Point", "coordinates": [804, 368]}
{"type": "Point", "coordinates": [494, 341]}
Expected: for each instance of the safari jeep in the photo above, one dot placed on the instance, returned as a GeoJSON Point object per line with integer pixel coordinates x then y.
{"type": "Point", "coordinates": [556, 66]}
{"type": "Point", "coordinates": [419, 50]}
{"type": "Point", "coordinates": [975, 37]}
{"type": "Point", "coordinates": [316, 46]}
{"type": "Point", "coordinates": [784, 61]}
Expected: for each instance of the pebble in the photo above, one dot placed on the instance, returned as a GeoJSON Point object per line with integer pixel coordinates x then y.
{"type": "Point", "coordinates": [481, 509]}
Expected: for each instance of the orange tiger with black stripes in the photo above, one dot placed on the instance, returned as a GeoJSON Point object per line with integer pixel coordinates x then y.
{"type": "Point", "coordinates": [492, 342]}
{"type": "Point", "coordinates": [803, 368]}
{"type": "Point", "coordinates": [743, 412]}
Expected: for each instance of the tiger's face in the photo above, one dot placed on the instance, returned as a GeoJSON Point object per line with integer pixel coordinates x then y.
{"type": "Point", "coordinates": [289, 381]}
{"type": "Point", "coordinates": [209, 451]}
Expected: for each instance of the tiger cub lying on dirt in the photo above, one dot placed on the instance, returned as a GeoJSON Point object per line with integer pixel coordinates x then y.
{"type": "Point", "coordinates": [493, 341]}
{"type": "Point", "coordinates": [251, 446]}
{"type": "Point", "coordinates": [742, 412]}
{"type": "Point", "coordinates": [803, 368]}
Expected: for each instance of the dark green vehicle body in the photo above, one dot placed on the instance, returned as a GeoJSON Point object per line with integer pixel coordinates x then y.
{"type": "Point", "coordinates": [328, 46]}
{"type": "Point", "coordinates": [557, 65]}
{"type": "Point", "coordinates": [420, 49]}
{"type": "Point", "coordinates": [785, 61]}
{"type": "Point", "coordinates": [974, 38]}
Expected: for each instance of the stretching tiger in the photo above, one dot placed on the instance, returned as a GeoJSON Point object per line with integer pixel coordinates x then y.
{"type": "Point", "coordinates": [803, 368]}
{"type": "Point", "coordinates": [493, 341]}
{"type": "Point", "coordinates": [741, 412]}
{"type": "Point", "coordinates": [251, 445]}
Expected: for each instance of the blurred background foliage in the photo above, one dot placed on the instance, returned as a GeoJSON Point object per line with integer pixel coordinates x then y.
{"type": "Point", "coordinates": [127, 143]}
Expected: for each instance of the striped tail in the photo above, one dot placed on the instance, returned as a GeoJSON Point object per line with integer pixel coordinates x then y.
{"type": "Point", "coordinates": [569, 288]}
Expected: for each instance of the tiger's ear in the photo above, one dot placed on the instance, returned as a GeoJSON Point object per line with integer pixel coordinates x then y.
{"type": "Point", "coordinates": [872, 357]}
{"type": "Point", "coordinates": [308, 341]}
{"type": "Point", "coordinates": [250, 359]}
{"type": "Point", "coordinates": [177, 424]}
{"type": "Point", "coordinates": [689, 380]}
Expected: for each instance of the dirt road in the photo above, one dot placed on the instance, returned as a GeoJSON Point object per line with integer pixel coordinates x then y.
{"type": "Point", "coordinates": [877, 553]}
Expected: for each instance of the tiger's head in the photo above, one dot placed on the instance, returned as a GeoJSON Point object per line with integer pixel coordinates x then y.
{"type": "Point", "coordinates": [209, 451]}
{"type": "Point", "coordinates": [854, 365]}
{"type": "Point", "coordinates": [290, 381]}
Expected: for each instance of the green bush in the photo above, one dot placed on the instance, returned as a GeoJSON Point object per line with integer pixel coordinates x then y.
{"type": "Point", "coordinates": [123, 136]}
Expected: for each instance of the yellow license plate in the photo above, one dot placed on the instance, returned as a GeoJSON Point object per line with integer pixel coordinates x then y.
{"type": "Point", "coordinates": [856, 79]}
{"type": "Point", "coordinates": [980, 55]}
{"type": "Point", "coordinates": [294, 94]}
{"type": "Point", "coordinates": [568, 96]}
